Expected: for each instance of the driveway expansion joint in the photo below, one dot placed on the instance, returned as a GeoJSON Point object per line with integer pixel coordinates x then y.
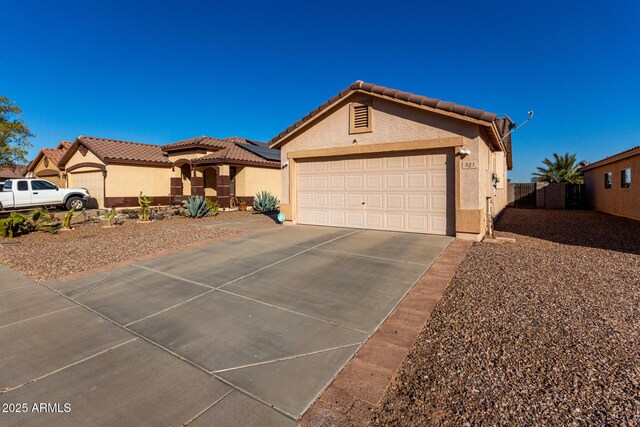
{"type": "Point", "coordinates": [9, 389]}
{"type": "Point", "coordinates": [37, 317]}
{"type": "Point", "coordinates": [282, 359]}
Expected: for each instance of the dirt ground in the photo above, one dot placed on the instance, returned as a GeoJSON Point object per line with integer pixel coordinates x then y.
{"type": "Point", "coordinates": [42, 255]}
{"type": "Point", "coordinates": [544, 331]}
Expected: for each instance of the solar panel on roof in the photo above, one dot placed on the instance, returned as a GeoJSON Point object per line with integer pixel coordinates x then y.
{"type": "Point", "coordinates": [262, 150]}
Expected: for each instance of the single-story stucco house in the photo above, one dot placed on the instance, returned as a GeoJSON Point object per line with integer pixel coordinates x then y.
{"type": "Point", "coordinates": [115, 172]}
{"type": "Point", "coordinates": [378, 158]}
{"type": "Point", "coordinates": [609, 185]}
{"type": "Point", "coordinates": [47, 164]}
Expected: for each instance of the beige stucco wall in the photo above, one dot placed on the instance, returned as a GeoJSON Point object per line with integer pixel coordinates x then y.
{"type": "Point", "coordinates": [394, 122]}
{"type": "Point", "coordinates": [40, 167]}
{"type": "Point", "coordinates": [77, 158]}
{"type": "Point", "coordinates": [615, 200]}
{"type": "Point", "coordinates": [251, 180]}
{"type": "Point", "coordinates": [129, 180]}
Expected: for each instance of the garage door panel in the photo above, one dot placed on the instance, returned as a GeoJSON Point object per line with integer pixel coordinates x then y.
{"type": "Point", "coordinates": [418, 201]}
{"type": "Point", "coordinates": [374, 200]}
{"type": "Point", "coordinates": [338, 200]}
{"type": "Point", "coordinates": [401, 193]}
{"type": "Point", "coordinates": [394, 181]}
{"type": "Point", "coordinates": [94, 183]}
{"type": "Point", "coordinates": [336, 182]}
{"type": "Point", "coordinates": [355, 182]}
{"type": "Point", "coordinates": [392, 163]}
{"type": "Point", "coordinates": [395, 201]}
{"type": "Point", "coordinates": [355, 219]}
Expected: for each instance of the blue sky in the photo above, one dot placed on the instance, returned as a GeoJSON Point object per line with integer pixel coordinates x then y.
{"type": "Point", "coordinates": [159, 71]}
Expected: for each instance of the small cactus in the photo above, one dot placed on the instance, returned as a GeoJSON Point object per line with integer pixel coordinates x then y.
{"type": "Point", "coordinates": [145, 204]}
{"type": "Point", "coordinates": [66, 221]}
{"type": "Point", "coordinates": [110, 216]}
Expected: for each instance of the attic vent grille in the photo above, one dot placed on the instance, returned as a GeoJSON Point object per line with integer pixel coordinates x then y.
{"type": "Point", "coordinates": [360, 118]}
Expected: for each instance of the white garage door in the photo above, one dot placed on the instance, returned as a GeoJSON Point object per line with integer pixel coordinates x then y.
{"type": "Point", "coordinates": [401, 193]}
{"type": "Point", "coordinates": [92, 181]}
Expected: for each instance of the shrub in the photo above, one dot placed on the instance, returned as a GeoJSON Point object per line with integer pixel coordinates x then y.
{"type": "Point", "coordinates": [145, 203]}
{"type": "Point", "coordinates": [196, 206]}
{"type": "Point", "coordinates": [130, 213]}
{"type": "Point", "coordinates": [214, 206]}
{"type": "Point", "coordinates": [19, 223]}
{"type": "Point", "coordinates": [265, 202]}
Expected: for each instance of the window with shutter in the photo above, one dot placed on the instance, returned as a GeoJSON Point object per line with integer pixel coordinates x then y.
{"type": "Point", "coordinates": [359, 118]}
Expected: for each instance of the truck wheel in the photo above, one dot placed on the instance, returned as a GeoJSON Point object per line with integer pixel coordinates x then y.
{"type": "Point", "coordinates": [75, 202]}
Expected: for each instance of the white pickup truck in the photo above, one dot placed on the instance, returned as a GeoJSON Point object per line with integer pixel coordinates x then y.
{"type": "Point", "coordinates": [32, 192]}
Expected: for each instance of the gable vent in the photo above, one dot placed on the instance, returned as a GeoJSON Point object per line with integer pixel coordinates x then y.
{"type": "Point", "coordinates": [360, 118]}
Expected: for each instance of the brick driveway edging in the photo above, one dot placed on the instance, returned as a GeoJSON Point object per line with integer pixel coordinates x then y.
{"type": "Point", "coordinates": [361, 384]}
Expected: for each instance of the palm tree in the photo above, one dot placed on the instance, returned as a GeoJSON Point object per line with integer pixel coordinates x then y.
{"type": "Point", "coordinates": [561, 169]}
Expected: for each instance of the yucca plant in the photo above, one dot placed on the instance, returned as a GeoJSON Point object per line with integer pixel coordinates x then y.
{"type": "Point", "coordinates": [197, 206]}
{"type": "Point", "coordinates": [265, 202]}
{"type": "Point", "coordinates": [66, 221]}
{"type": "Point", "coordinates": [145, 204]}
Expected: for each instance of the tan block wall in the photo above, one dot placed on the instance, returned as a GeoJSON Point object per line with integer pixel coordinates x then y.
{"type": "Point", "coordinates": [129, 180]}
{"type": "Point", "coordinates": [615, 200]}
{"type": "Point", "coordinates": [251, 180]}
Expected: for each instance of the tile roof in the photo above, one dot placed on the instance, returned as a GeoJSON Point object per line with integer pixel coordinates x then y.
{"type": "Point", "coordinates": [360, 86]}
{"type": "Point", "coordinates": [8, 172]}
{"type": "Point", "coordinates": [116, 151]}
{"type": "Point", "coordinates": [54, 155]}
{"type": "Point", "coordinates": [232, 151]}
{"type": "Point", "coordinates": [197, 142]}
{"type": "Point", "coordinates": [633, 151]}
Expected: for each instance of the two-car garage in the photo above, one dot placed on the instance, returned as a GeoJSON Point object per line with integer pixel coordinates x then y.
{"type": "Point", "coordinates": [412, 192]}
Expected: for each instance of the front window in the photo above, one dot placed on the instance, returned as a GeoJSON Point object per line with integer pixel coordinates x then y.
{"type": "Point", "coordinates": [608, 180]}
{"type": "Point", "coordinates": [42, 185]}
{"type": "Point", "coordinates": [625, 178]}
{"type": "Point", "coordinates": [23, 186]}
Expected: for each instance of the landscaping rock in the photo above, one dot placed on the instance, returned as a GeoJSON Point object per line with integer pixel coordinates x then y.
{"type": "Point", "coordinates": [541, 331]}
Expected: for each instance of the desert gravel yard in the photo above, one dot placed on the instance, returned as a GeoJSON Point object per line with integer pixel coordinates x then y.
{"type": "Point", "coordinates": [41, 256]}
{"type": "Point", "coordinates": [544, 331]}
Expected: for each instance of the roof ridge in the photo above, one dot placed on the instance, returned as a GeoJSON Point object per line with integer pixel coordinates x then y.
{"type": "Point", "coordinates": [118, 140]}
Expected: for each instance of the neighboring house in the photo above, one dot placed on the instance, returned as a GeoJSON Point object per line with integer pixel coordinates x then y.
{"type": "Point", "coordinates": [378, 158]}
{"type": "Point", "coordinates": [612, 184]}
{"type": "Point", "coordinates": [116, 171]}
{"type": "Point", "coordinates": [11, 172]}
{"type": "Point", "coordinates": [46, 164]}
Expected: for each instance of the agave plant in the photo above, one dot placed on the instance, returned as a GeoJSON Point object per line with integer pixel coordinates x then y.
{"type": "Point", "coordinates": [265, 202]}
{"type": "Point", "coordinates": [23, 223]}
{"type": "Point", "coordinates": [197, 206]}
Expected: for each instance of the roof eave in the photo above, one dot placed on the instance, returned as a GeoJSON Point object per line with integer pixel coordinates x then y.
{"type": "Point", "coordinates": [337, 100]}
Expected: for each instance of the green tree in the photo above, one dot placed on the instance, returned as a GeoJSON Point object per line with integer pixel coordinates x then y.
{"type": "Point", "coordinates": [14, 134]}
{"type": "Point", "coordinates": [560, 169]}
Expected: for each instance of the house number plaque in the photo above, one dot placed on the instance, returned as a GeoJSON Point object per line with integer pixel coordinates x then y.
{"type": "Point", "coordinates": [467, 164]}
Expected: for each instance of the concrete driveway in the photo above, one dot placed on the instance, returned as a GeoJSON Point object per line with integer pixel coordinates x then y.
{"type": "Point", "coordinates": [246, 331]}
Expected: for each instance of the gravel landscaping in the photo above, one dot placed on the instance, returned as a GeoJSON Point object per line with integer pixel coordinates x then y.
{"type": "Point", "coordinates": [42, 255]}
{"type": "Point", "coordinates": [544, 331]}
